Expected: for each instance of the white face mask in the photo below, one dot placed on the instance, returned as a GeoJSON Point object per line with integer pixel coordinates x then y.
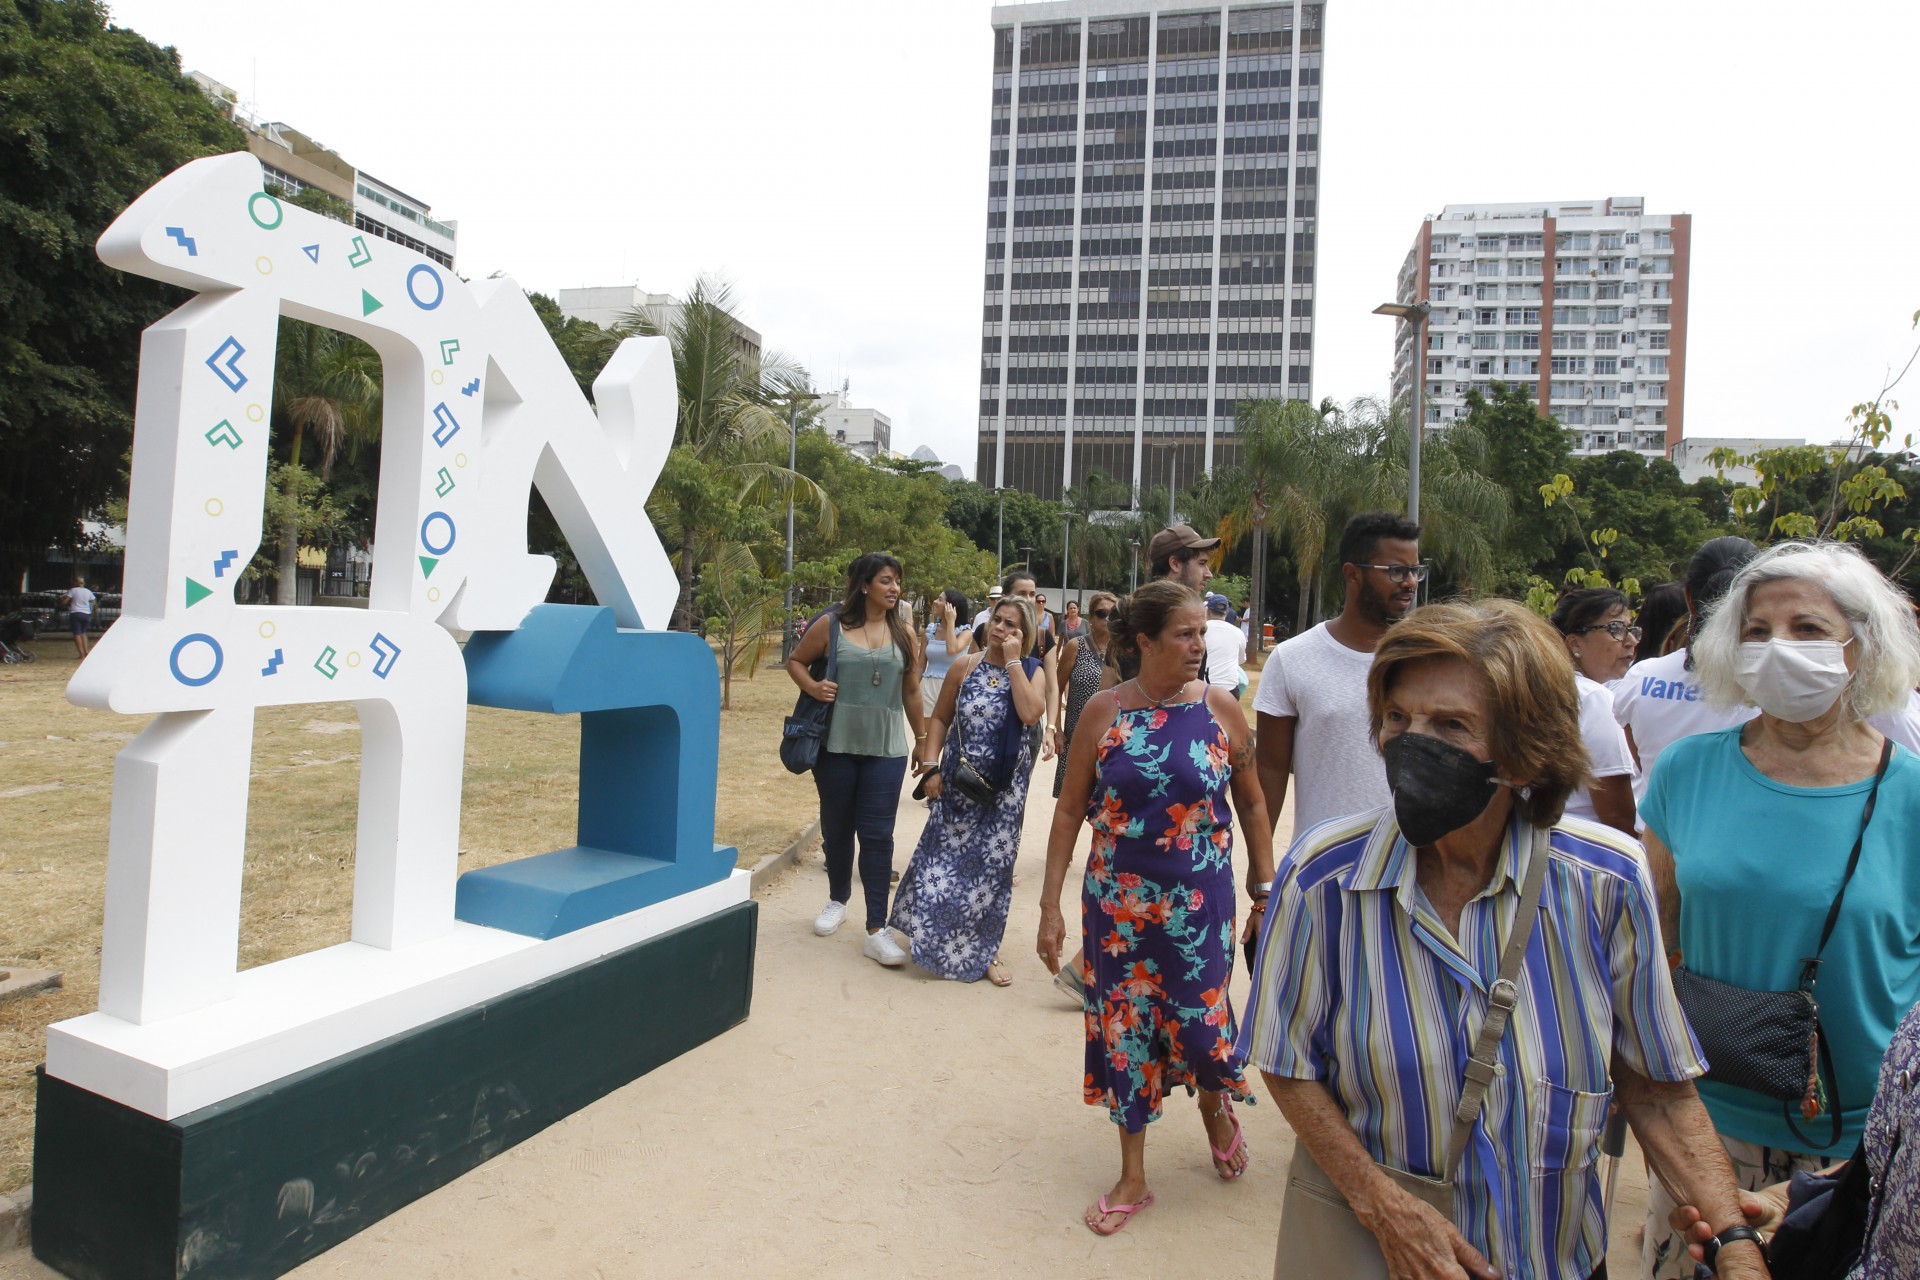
{"type": "Point", "coordinates": [1794, 680]}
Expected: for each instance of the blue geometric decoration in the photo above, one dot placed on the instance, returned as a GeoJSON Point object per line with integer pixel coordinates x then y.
{"type": "Point", "coordinates": [185, 241]}
{"type": "Point", "coordinates": [649, 707]}
{"type": "Point", "coordinates": [225, 363]}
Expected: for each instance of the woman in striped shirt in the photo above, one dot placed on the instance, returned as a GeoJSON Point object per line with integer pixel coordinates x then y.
{"type": "Point", "coordinates": [1375, 972]}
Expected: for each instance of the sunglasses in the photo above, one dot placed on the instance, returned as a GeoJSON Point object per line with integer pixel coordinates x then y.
{"type": "Point", "coordinates": [1103, 613]}
{"type": "Point", "coordinates": [1399, 574]}
{"type": "Point", "coordinates": [1617, 629]}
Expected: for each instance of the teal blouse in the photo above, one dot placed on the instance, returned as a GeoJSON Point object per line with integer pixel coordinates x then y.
{"type": "Point", "coordinates": [868, 716]}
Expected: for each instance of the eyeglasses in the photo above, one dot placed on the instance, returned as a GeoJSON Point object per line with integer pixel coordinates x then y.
{"type": "Point", "coordinates": [1399, 574]}
{"type": "Point", "coordinates": [1617, 629]}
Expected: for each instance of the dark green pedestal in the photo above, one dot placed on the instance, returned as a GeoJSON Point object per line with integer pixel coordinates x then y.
{"type": "Point", "coordinates": [258, 1184]}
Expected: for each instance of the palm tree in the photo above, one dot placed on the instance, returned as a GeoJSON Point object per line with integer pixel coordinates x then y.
{"type": "Point", "coordinates": [732, 417]}
{"type": "Point", "coordinates": [1295, 477]}
{"type": "Point", "coordinates": [1463, 513]}
{"type": "Point", "coordinates": [1101, 529]}
{"type": "Point", "coordinates": [328, 387]}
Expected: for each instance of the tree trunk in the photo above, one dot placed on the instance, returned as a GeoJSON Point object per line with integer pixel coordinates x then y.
{"type": "Point", "coordinates": [1257, 597]}
{"type": "Point", "coordinates": [1300, 613]}
{"type": "Point", "coordinates": [286, 588]}
{"type": "Point", "coordinates": [683, 607]}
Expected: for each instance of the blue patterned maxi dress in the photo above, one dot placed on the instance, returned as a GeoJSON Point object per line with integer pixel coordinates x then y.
{"type": "Point", "coordinates": [1157, 914]}
{"type": "Point", "coordinates": [952, 901]}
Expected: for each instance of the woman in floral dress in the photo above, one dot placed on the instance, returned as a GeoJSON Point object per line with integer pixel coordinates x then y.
{"type": "Point", "coordinates": [952, 902]}
{"type": "Point", "coordinates": [1151, 762]}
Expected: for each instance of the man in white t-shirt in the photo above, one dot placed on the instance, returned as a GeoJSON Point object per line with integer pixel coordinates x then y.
{"type": "Point", "coordinates": [1312, 702]}
{"type": "Point", "coordinates": [80, 614]}
{"type": "Point", "coordinates": [1226, 647]}
{"type": "Point", "coordinates": [1659, 701]}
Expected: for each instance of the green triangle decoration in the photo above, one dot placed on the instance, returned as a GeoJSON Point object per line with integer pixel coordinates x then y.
{"type": "Point", "coordinates": [369, 304]}
{"type": "Point", "coordinates": [427, 564]}
{"type": "Point", "coordinates": [196, 593]}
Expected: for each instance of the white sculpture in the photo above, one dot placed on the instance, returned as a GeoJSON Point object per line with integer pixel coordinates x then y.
{"type": "Point", "coordinates": [479, 406]}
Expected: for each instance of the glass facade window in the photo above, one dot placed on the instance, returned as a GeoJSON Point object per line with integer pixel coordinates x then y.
{"type": "Point", "coordinates": [1158, 266]}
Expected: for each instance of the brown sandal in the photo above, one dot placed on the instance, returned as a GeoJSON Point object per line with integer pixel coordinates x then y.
{"type": "Point", "coordinates": [997, 973]}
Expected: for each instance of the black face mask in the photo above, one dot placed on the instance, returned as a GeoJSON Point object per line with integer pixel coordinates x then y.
{"type": "Point", "coordinates": [1437, 787]}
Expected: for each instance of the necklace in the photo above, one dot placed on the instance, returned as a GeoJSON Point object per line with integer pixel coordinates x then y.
{"type": "Point", "coordinates": [873, 650]}
{"type": "Point", "coordinates": [1147, 693]}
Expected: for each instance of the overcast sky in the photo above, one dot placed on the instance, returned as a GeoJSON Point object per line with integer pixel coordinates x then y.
{"type": "Point", "coordinates": [830, 159]}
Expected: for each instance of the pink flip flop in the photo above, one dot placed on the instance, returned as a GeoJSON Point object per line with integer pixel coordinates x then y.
{"type": "Point", "coordinates": [1128, 1210]}
{"type": "Point", "coordinates": [1223, 1160]}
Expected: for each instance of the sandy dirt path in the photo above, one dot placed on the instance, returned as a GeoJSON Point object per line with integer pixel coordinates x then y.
{"type": "Point", "coordinates": [862, 1122]}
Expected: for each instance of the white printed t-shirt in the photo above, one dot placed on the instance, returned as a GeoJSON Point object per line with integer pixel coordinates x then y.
{"type": "Point", "coordinates": [1226, 650]}
{"type": "Point", "coordinates": [1605, 740]}
{"type": "Point", "coordinates": [1321, 682]}
{"type": "Point", "coordinates": [1661, 702]}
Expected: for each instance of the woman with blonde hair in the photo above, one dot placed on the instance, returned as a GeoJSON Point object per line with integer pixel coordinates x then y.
{"type": "Point", "coordinates": [1455, 987]}
{"type": "Point", "coordinates": [952, 902]}
{"type": "Point", "coordinates": [1783, 851]}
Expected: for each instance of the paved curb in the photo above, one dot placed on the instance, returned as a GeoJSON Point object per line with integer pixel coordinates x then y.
{"type": "Point", "coordinates": [773, 864]}
{"type": "Point", "coordinates": [16, 1219]}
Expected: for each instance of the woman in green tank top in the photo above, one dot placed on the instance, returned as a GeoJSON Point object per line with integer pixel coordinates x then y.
{"type": "Point", "coordinates": [863, 762]}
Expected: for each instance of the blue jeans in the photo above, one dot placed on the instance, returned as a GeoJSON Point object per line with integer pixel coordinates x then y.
{"type": "Point", "coordinates": [859, 795]}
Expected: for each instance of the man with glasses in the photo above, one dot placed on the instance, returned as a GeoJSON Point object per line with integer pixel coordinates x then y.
{"type": "Point", "coordinates": [1312, 701]}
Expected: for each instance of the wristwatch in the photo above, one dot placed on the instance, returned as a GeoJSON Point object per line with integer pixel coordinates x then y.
{"type": "Point", "coordinates": [1726, 1237]}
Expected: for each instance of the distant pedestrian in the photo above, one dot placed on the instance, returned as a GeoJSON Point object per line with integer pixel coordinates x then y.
{"type": "Point", "coordinates": [1658, 702]}
{"type": "Point", "coordinates": [1226, 649]}
{"type": "Point", "coordinates": [1072, 622]}
{"type": "Point", "coordinates": [80, 614]}
{"type": "Point", "coordinates": [864, 759]}
{"type": "Point", "coordinates": [1598, 630]}
{"type": "Point", "coordinates": [1081, 661]}
{"type": "Point", "coordinates": [946, 640]}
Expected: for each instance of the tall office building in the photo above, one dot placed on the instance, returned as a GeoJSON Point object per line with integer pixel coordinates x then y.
{"type": "Point", "coordinates": [1582, 303]}
{"type": "Point", "coordinates": [1150, 235]}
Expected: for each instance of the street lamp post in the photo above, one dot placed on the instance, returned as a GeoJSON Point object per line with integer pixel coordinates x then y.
{"type": "Point", "coordinates": [1133, 568]}
{"type": "Point", "coordinates": [1415, 314]}
{"type": "Point", "coordinates": [793, 465]}
{"type": "Point", "coordinates": [1000, 532]}
{"type": "Point", "coordinates": [1066, 554]}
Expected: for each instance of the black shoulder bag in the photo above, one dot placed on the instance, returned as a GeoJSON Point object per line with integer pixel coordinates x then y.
{"type": "Point", "coordinates": [805, 731]}
{"type": "Point", "coordinates": [1770, 1041]}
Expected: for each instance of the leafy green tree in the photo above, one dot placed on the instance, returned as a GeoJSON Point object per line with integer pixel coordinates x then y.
{"type": "Point", "coordinates": [733, 409]}
{"type": "Point", "coordinates": [742, 610]}
{"type": "Point", "coordinates": [1523, 449]}
{"type": "Point", "coordinates": [1031, 521]}
{"type": "Point", "coordinates": [90, 116]}
{"type": "Point", "coordinates": [584, 345]}
{"type": "Point", "coordinates": [327, 393]}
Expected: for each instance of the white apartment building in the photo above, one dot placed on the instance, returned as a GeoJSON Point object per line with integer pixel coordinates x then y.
{"type": "Point", "coordinates": [867, 432]}
{"type": "Point", "coordinates": [406, 220]}
{"type": "Point", "coordinates": [608, 305]}
{"type": "Point", "coordinates": [1582, 303]}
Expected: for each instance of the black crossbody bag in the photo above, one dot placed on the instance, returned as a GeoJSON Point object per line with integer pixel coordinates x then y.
{"type": "Point", "coordinates": [1770, 1041]}
{"type": "Point", "coordinates": [805, 731]}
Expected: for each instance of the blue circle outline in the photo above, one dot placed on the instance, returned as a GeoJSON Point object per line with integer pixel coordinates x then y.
{"type": "Point", "coordinates": [431, 517]}
{"type": "Point", "coordinates": [439, 284]}
{"type": "Point", "coordinates": [279, 214]}
{"type": "Point", "coordinates": [173, 659]}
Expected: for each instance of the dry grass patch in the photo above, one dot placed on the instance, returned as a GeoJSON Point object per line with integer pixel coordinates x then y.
{"type": "Point", "coordinates": [56, 792]}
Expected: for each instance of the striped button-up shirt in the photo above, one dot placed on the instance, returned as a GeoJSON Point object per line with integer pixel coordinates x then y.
{"type": "Point", "coordinates": [1359, 986]}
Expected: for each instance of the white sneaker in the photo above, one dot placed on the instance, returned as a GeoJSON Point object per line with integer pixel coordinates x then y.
{"type": "Point", "coordinates": [881, 946]}
{"type": "Point", "coordinates": [831, 917]}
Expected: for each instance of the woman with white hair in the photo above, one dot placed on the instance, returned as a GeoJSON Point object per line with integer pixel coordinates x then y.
{"type": "Point", "coordinates": [1782, 853]}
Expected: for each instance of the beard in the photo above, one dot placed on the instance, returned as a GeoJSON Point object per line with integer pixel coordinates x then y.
{"type": "Point", "coordinates": [1377, 609]}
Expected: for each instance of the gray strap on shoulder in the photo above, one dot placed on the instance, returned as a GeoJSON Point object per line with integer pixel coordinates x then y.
{"type": "Point", "coordinates": [1500, 1000]}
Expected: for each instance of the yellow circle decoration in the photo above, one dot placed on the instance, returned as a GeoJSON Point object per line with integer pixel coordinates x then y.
{"type": "Point", "coordinates": [438, 377]}
{"type": "Point", "coordinates": [266, 630]}
{"type": "Point", "coordinates": [264, 265]}
{"type": "Point", "coordinates": [459, 459]}
{"type": "Point", "coordinates": [353, 659]}
{"type": "Point", "coordinates": [256, 413]}
{"type": "Point", "coordinates": [215, 506]}
{"type": "Point", "coordinates": [433, 594]}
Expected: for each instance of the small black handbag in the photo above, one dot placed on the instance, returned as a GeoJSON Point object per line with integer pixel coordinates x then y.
{"type": "Point", "coordinates": [805, 731]}
{"type": "Point", "coordinates": [1770, 1041]}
